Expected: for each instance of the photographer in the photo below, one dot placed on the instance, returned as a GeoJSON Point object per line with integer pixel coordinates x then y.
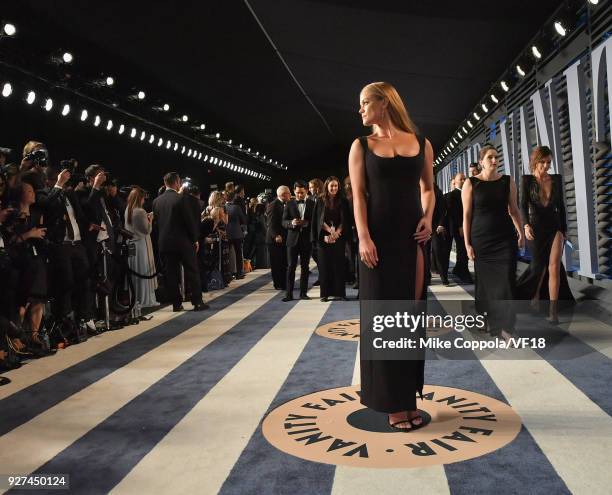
{"type": "Point", "coordinates": [35, 159]}
{"type": "Point", "coordinates": [69, 269]}
{"type": "Point", "coordinates": [26, 250]}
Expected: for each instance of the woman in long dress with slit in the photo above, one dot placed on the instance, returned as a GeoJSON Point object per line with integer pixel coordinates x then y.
{"type": "Point", "coordinates": [391, 173]}
{"type": "Point", "coordinates": [545, 229]}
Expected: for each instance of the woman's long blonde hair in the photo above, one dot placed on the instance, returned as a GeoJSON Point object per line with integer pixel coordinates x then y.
{"type": "Point", "coordinates": [397, 110]}
{"type": "Point", "coordinates": [134, 200]}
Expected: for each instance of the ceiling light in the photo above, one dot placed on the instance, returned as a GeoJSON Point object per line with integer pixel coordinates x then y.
{"type": "Point", "coordinates": [593, 2]}
{"type": "Point", "coordinates": [9, 29]}
{"type": "Point", "coordinates": [459, 134]}
{"type": "Point", "coordinates": [218, 135]}
{"type": "Point", "coordinates": [185, 118]}
{"type": "Point", "coordinates": [464, 130]}
{"type": "Point", "coordinates": [160, 142]}
{"type": "Point", "coordinates": [168, 144]}
{"type": "Point", "coordinates": [560, 28]}
{"type": "Point", "coordinates": [67, 58]}
{"type": "Point", "coordinates": [183, 150]}
{"type": "Point", "coordinates": [110, 81]}
{"type": "Point", "coordinates": [205, 158]}
{"type": "Point", "coordinates": [189, 152]}
{"type": "Point", "coordinates": [202, 126]}
{"type": "Point", "coordinates": [520, 71]}
{"type": "Point", "coordinates": [152, 138]}
{"type": "Point", "coordinates": [494, 99]}
{"type": "Point", "coordinates": [97, 121]}
{"type": "Point", "coordinates": [536, 52]}
{"type": "Point", "coordinates": [175, 146]}
{"type": "Point", "coordinates": [84, 115]}
{"type": "Point", "coordinates": [484, 108]}
{"type": "Point", "coordinates": [7, 89]}
{"type": "Point", "coordinates": [109, 125]}
{"type": "Point", "coordinates": [48, 104]}
{"type": "Point", "coordinates": [200, 156]}
{"type": "Point", "coordinates": [31, 98]}
{"type": "Point", "coordinates": [141, 95]}
{"type": "Point", "coordinates": [143, 135]}
{"type": "Point", "coordinates": [476, 116]}
{"type": "Point", "coordinates": [455, 140]}
{"type": "Point", "coordinates": [469, 123]}
{"type": "Point", "coordinates": [505, 86]}
{"type": "Point", "coordinates": [166, 107]}
{"type": "Point", "coordinates": [121, 129]}
{"type": "Point", "coordinates": [133, 133]}
{"type": "Point", "coordinates": [65, 110]}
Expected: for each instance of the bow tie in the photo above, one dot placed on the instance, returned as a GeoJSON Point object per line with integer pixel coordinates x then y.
{"type": "Point", "coordinates": [300, 202]}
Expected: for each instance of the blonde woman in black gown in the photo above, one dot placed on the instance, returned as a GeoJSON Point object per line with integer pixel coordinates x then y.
{"type": "Point", "coordinates": [391, 173]}
{"type": "Point", "coordinates": [545, 229]}
{"type": "Point", "coordinates": [492, 234]}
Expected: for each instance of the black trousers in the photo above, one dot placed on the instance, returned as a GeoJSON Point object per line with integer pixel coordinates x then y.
{"type": "Point", "coordinates": [461, 266]}
{"type": "Point", "coordinates": [237, 243]}
{"type": "Point", "coordinates": [440, 253]}
{"type": "Point", "coordinates": [301, 249]}
{"type": "Point", "coordinates": [70, 281]}
{"type": "Point", "coordinates": [278, 264]}
{"type": "Point", "coordinates": [172, 261]}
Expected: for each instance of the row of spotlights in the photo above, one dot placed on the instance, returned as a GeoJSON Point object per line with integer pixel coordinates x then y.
{"type": "Point", "coordinates": [7, 90]}
{"type": "Point", "coordinates": [561, 31]}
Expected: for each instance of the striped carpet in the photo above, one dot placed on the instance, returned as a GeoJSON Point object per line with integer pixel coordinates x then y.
{"type": "Point", "coordinates": [175, 405]}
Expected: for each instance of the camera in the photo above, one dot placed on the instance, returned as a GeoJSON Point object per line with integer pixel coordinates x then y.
{"type": "Point", "coordinates": [70, 165]}
{"type": "Point", "coordinates": [38, 157]}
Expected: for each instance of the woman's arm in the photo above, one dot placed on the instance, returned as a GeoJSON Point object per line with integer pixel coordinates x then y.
{"type": "Point", "coordinates": [367, 249]}
{"type": "Point", "coordinates": [140, 222]}
{"type": "Point", "coordinates": [428, 196]}
{"type": "Point", "coordinates": [514, 212]}
{"type": "Point", "coordinates": [466, 200]}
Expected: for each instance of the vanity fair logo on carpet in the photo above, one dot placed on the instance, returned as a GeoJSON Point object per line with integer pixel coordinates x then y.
{"type": "Point", "coordinates": [333, 427]}
{"type": "Point", "coordinates": [349, 330]}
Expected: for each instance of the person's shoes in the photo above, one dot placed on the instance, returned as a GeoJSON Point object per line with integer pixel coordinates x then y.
{"type": "Point", "coordinates": [240, 277]}
{"type": "Point", "coordinates": [91, 328]}
{"type": "Point", "coordinates": [201, 307]}
{"type": "Point", "coordinates": [316, 283]}
{"type": "Point", "coordinates": [305, 297]}
{"type": "Point", "coordinates": [356, 285]}
{"type": "Point", "coordinates": [408, 424]}
{"type": "Point", "coordinates": [445, 282]}
{"type": "Point", "coordinates": [178, 308]}
{"type": "Point", "coordinates": [287, 299]}
{"type": "Point", "coordinates": [324, 299]}
{"type": "Point", "coordinates": [553, 315]}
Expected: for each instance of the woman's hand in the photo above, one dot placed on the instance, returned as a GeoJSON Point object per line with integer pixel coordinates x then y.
{"type": "Point", "coordinates": [470, 252]}
{"type": "Point", "coordinates": [368, 252]}
{"type": "Point", "coordinates": [423, 230]}
{"type": "Point", "coordinates": [35, 233]}
{"type": "Point", "coordinates": [529, 233]}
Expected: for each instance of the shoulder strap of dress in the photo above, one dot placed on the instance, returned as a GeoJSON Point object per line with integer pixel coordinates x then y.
{"type": "Point", "coordinates": [421, 139]}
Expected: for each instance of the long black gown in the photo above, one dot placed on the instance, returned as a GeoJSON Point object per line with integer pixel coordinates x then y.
{"type": "Point", "coordinates": [494, 240]}
{"type": "Point", "coordinates": [394, 210]}
{"type": "Point", "coordinates": [545, 222]}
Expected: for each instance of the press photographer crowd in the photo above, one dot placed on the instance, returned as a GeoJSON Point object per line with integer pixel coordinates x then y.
{"type": "Point", "coordinates": [80, 255]}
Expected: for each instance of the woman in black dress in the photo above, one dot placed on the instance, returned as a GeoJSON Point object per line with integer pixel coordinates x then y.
{"type": "Point", "coordinates": [545, 229]}
{"type": "Point", "coordinates": [492, 234]}
{"type": "Point", "coordinates": [329, 229]}
{"type": "Point", "coordinates": [393, 196]}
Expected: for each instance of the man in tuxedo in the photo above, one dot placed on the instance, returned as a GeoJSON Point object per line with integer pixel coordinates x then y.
{"type": "Point", "coordinates": [276, 237]}
{"type": "Point", "coordinates": [455, 217]}
{"type": "Point", "coordinates": [67, 227]}
{"type": "Point", "coordinates": [474, 169]}
{"type": "Point", "coordinates": [440, 239]}
{"type": "Point", "coordinates": [178, 242]}
{"type": "Point", "coordinates": [296, 219]}
{"type": "Point", "coordinates": [315, 187]}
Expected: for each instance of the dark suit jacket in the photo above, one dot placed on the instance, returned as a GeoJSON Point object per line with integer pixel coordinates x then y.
{"type": "Point", "coordinates": [318, 220]}
{"type": "Point", "coordinates": [91, 204]}
{"type": "Point", "coordinates": [173, 216]}
{"type": "Point", "coordinates": [274, 218]}
{"type": "Point", "coordinates": [440, 214]}
{"type": "Point", "coordinates": [236, 220]}
{"type": "Point", "coordinates": [297, 233]}
{"type": "Point", "coordinates": [56, 213]}
{"type": "Point", "coordinates": [455, 210]}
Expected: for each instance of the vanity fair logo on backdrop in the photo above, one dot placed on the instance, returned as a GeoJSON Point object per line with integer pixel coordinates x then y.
{"type": "Point", "coordinates": [517, 143]}
{"type": "Point", "coordinates": [333, 427]}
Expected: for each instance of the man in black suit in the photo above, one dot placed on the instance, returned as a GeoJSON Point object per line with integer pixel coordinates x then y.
{"type": "Point", "coordinates": [67, 227]}
{"type": "Point", "coordinates": [178, 242]}
{"type": "Point", "coordinates": [440, 239]}
{"type": "Point", "coordinates": [455, 216]}
{"type": "Point", "coordinates": [296, 219]}
{"type": "Point", "coordinates": [276, 237]}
